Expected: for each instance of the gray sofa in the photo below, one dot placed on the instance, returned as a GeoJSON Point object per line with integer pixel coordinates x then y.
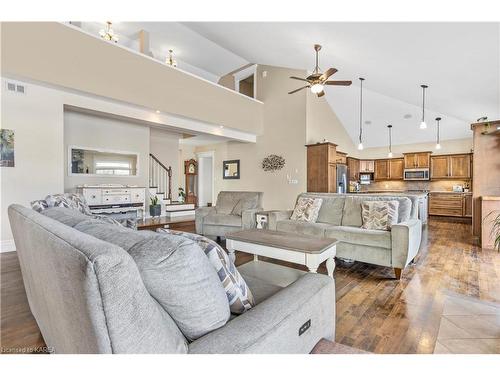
{"type": "Point", "coordinates": [234, 211]}
{"type": "Point", "coordinates": [96, 287]}
{"type": "Point", "coordinates": [340, 218]}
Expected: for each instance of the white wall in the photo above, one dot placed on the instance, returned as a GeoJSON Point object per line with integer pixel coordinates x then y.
{"type": "Point", "coordinates": [85, 130]}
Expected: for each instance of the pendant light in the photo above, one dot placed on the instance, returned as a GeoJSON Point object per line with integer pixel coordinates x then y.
{"type": "Point", "coordinates": [360, 144]}
{"type": "Point", "coordinates": [423, 125]}
{"type": "Point", "coordinates": [389, 155]}
{"type": "Point", "coordinates": [438, 145]}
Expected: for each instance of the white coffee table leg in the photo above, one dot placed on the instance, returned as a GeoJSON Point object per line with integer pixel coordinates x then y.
{"type": "Point", "coordinates": [313, 269]}
{"type": "Point", "coordinates": [330, 266]}
{"type": "Point", "coordinates": [230, 250]}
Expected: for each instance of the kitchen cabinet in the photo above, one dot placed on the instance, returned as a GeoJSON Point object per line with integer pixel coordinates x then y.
{"type": "Point", "coordinates": [396, 168]}
{"type": "Point", "coordinates": [341, 158]}
{"type": "Point", "coordinates": [367, 166]}
{"type": "Point", "coordinates": [451, 166]}
{"type": "Point", "coordinates": [417, 160]}
{"type": "Point", "coordinates": [381, 169]}
{"type": "Point", "coordinates": [322, 168]}
{"type": "Point", "coordinates": [450, 204]}
{"type": "Point", "coordinates": [353, 168]}
{"type": "Point", "coordinates": [389, 169]}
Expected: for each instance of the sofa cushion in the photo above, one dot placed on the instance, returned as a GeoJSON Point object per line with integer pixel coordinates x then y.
{"type": "Point", "coordinates": [244, 204]}
{"type": "Point", "coordinates": [176, 273]}
{"type": "Point", "coordinates": [66, 216]}
{"type": "Point", "coordinates": [239, 296]}
{"type": "Point", "coordinates": [360, 236]}
{"type": "Point", "coordinates": [227, 200]}
{"type": "Point", "coordinates": [352, 208]}
{"type": "Point", "coordinates": [223, 219]}
{"type": "Point", "coordinates": [380, 215]}
{"type": "Point", "coordinates": [302, 227]}
{"type": "Point", "coordinates": [307, 209]}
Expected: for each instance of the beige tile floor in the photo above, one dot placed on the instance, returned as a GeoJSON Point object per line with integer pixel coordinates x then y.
{"type": "Point", "coordinates": [468, 326]}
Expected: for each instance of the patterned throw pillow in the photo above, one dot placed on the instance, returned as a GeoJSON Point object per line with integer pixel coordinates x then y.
{"type": "Point", "coordinates": [238, 294]}
{"type": "Point", "coordinates": [380, 215]}
{"type": "Point", "coordinates": [307, 209]}
{"type": "Point", "coordinates": [68, 200]}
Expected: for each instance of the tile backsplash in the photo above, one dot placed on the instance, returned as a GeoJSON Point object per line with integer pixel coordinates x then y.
{"type": "Point", "coordinates": [438, 185]}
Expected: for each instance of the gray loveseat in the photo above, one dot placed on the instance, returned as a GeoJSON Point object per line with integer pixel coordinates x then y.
{"type": "Point", "coordinates": [96, 287]}
{"type": "Point", "coordinates": [234, 211]}
{"type": "Point", "coordinates": [340, 218]}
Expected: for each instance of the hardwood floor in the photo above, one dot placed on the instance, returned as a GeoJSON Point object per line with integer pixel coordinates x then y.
{"type": "Point", "coordinates": [375, 312]}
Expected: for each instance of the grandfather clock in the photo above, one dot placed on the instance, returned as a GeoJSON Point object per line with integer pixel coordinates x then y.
{"type": "Point", "coordinates": [191, 172]}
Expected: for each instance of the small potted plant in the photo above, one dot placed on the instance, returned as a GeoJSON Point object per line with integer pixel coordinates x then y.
{"type": "Point", "coordinates": [182, 195]}
{"type": "Point", "coordinates": [155, 206]}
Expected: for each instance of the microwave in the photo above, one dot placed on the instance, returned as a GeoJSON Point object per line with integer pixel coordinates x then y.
{"type": "Point", "coordinates": [419, 174]}
{"type": "Point", "coordinates": [365, 178]}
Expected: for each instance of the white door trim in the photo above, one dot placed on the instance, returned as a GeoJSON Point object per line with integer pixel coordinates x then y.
{"type": "Point", "coordinates": [207, 154]}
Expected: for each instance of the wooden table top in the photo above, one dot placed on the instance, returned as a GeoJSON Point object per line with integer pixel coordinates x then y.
{"type": "Point", "coordinates": [283, 240]}
{"type": "Point", "coordinates": [161, 221]}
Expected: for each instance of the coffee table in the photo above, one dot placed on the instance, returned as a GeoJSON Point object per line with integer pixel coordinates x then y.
{"type": "Point", "coordinates": [291, 247]}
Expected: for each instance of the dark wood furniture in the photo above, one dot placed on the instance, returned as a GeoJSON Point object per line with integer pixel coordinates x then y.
{"type": "Point", "coordinates": [191, 172]}
{"type": "Point", "coordinates": [182, 223]}
{"type": "Point", "coordinates": [322, 167]}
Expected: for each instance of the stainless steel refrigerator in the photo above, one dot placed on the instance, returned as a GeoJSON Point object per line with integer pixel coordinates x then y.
{"type": "Point", "coordinates": [341, 178]}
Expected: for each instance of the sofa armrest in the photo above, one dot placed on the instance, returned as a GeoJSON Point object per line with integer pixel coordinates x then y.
{"type": "Point", "coordinates": [200, 214]}
{"type": "Point", "coordinates": [406, 239]}
{"type": "Point", "coordinates": [273, 325]}
{"type": "Point", "coordinates": [248, 219]}
{"type": "Point", "coordinates": [276, 216]}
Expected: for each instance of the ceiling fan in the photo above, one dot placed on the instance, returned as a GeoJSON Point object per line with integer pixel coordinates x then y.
{"type": "Point", "coordinates": [317, 80]}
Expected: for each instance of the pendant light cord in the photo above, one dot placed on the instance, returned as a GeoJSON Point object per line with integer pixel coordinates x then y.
{"type": "Point", "coordinates": [423, 102]}
{"type": "Point", "coordinates": [361, 112]}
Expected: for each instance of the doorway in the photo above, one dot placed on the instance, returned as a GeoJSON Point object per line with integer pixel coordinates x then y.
{"type": "Point", "coordinates": [205, 178]}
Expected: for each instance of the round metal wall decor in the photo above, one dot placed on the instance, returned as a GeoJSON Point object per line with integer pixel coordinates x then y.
{"type": "Point", "coordinates": [273, 163]}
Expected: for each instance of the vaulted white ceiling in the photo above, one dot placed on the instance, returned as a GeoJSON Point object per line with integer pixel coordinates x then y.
{"type": "Point", "coordinates": [459, 61]}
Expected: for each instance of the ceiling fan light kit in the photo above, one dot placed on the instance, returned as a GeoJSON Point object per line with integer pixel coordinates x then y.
{"type": "Point", "coordinates": [423, 125]}
{"type": "Point", "coordinates": [317, 80]}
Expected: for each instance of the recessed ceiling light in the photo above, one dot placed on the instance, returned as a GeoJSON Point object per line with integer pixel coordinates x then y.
{"type": "Point", "coordinates": [368, 122]}
{"type": "Point", "coordinates": [407, 116]}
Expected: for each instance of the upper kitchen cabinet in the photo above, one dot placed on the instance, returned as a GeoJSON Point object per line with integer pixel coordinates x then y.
{"type": "Point", "coordinates": [353, 168]}
{"type": "Point", "coordinates": [451, 166]}
{"type": "Point", "coordinates": [389, 169]}
{"type": "Point", "coordinates": [341, 158]}
{"type": "Point", "coordinates": [417, 160]}
{"type": "Point", "coordinates": [366, 166]}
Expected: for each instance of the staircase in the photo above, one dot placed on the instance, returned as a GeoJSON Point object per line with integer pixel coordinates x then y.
{"type": "Point", "coordinates": [160, 180]}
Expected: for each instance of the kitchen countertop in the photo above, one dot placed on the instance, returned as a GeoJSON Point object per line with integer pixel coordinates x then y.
{"type": "Point", "coordinates": [451, 192]}
{"type": "Point", "coordinates": [395, 192]}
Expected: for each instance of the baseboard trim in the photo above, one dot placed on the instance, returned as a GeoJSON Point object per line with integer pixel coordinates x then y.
{"type": "Point", "coordinates": [7, 246]}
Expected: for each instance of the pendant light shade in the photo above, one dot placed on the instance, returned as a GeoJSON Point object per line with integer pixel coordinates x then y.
{"type": "Point", "coordinates": [360, 144]}
{"type": "Point", "coordinates": [389, 155]}
{"type": "Point", "coordinates": [423, 125]}
{"type": "Point", "coordinates": [438, 144]}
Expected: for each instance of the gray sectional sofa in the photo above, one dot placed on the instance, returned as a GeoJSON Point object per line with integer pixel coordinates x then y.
{"type": "Point", "coordinates": [96, 287]}
{"type": "Point", "coordinates": [340, 218]}
{"type": "Point", "coordinates": [234, 211]}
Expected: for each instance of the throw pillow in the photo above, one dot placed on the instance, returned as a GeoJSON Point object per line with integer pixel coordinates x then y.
{"type": "Point", "coordinates": [68, 200]}
{"type": "Point", "coordinates": [238, 294]}
{"type": "Point", "coordinates": [307, 209]}
{"type": "Point", "coordinates": [380, 215]}
{"type": "Point", "coordinates": [244, 204]}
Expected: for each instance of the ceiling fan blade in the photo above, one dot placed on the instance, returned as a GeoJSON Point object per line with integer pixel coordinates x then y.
{"type": "Point", "coordinates": [320, 94]}
{"type": "Point", "coordinates": [338, 83]}
{"type": "Point", "coordinates": [300, 79]}
{"type": "Point", "coordinates": [327, 74]}
{"type": "Point", "coordinates": [303, 87]}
